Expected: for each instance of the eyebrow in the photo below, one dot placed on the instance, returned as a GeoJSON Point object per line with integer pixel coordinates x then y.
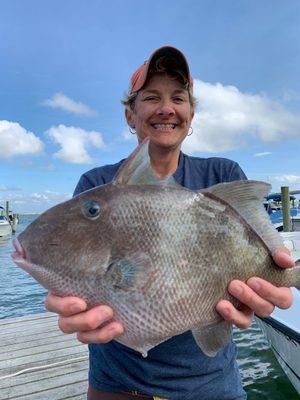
{"type": "Point", "coordinates": [177, 91]}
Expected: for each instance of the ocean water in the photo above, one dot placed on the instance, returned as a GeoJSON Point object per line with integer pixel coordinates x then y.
{"type": "Point", "coordinates": [262, 376]}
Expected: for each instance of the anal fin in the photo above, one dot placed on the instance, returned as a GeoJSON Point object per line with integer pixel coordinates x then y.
{"type": "Point", "coordinates": [213, 337]}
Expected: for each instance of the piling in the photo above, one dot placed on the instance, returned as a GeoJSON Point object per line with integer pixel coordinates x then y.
{"type": "Point", "coordinates": [14, 222]}
{"type": "Point", "coordinates": [285, 199]}
{"type": "Point", "coordinates": [7, 209]}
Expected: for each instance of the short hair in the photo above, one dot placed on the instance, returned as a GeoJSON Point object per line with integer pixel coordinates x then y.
{"type": "Point", "coordinates": [164, 65]}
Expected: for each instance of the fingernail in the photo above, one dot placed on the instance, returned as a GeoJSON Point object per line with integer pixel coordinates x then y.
{"type": "Point", "coordinates": [288, 258]}
{"type": "Point", "coordinates": [105, 315]}
{"type": "Point", "coordinates": [236, 290]}
{"type": "Point", "coordinates": [226, 312]}
{"type": "Point", "coordinates": [254, 284]}
{"type": "Point", "coordinates": [75, 308]}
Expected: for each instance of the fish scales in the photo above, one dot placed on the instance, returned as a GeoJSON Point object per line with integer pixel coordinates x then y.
{"type": "Point", "coordinates": [161, 256]}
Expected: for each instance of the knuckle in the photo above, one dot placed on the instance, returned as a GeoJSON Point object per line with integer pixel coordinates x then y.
{"type": "Point", "coordinates": [91, 323]}
{"type": "Point", "coordinates": [106, 313]}
{"type": "Point", "coordinates": [266, 311]}
{"type": "Point", "coordinates": [249, 299]}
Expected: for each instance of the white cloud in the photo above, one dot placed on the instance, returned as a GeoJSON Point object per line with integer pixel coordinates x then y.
{"type": "Point", "coordinates": [27, 164]}
{"type": "Point", "coordinates": [16, 140]}
{"type": "Point", "coordinates": [48, 167]}
{"type": "Point", "coordinates": [288, 180]}
{"type": "Point", "coordinates": [263, 154]}
{"type": "Point", "coordinates": [59, 100]}
{"type": "Point", "coordinates": [74, 143]}
{"type": "Point", "coordinates": [34, 202]}
{"type": "Point", "coordinates": [127, 135]}
{"type": "Point", "coordinates": [229, 119]}
{"type": "Point", "coordinates": [4, 188]}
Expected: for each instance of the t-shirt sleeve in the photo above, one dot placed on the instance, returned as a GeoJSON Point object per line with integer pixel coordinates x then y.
{"type": "Point", "coordinates": [236, 173]}
{"type": "Point", "coordinates": [85, 183]}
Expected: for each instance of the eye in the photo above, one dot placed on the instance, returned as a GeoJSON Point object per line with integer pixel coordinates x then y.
{"type": "Point", "coordinates": [91, 209]}
{"type": "Point", "coordinates": [150, 98]}
{"type": "Point", "coordinates": [179, 99]}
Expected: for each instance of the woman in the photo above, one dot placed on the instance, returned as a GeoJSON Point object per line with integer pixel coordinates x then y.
{"type": "Point", "coordinates": [160, 105]}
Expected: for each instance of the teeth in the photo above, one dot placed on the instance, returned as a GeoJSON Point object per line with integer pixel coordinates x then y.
{"type": "Point", "coordinates": [164, 126]}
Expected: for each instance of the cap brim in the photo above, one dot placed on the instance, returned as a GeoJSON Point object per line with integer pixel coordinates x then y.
{"type": "Point", "coordinates": [140, 76]}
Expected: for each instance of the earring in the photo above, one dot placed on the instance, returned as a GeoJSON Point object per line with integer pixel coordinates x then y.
{"type": "Point", "coordinates": [131, 130]}
{"type": "Point", "coordinates": [190, 131]}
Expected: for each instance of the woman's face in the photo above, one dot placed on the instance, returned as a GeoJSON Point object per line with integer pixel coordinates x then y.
{"type": "Point", "coordinates": [162, 112]}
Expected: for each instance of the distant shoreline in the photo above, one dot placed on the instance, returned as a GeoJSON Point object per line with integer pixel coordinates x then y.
{"type": "Point", "coordinates": [28, 214]}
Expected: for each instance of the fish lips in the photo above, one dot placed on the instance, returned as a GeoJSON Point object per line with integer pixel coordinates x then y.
{"type": "Point", "coordinates": [19, 256]}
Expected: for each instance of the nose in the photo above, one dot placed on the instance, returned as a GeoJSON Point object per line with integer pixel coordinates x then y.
{"type": "Point", "coordinates": [166, 108]}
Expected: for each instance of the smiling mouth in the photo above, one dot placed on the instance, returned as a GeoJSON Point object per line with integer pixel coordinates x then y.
{"type": "Point", "coordinates": [164, 127]}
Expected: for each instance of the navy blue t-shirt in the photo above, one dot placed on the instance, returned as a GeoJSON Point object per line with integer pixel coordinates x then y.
{"type": "Point", "coordinates": [176, 369]}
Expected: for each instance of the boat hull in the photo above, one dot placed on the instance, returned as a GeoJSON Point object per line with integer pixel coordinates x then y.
{"type": "Point", "coordinates": [5, 229]}
{"type": "Point", "coordinates": [282, 328]}
{"type": "Point", "coordinates": [285, 344]}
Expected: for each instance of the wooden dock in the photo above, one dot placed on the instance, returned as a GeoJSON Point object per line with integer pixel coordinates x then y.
{"type": "Point", "coordinates": [39, 362]}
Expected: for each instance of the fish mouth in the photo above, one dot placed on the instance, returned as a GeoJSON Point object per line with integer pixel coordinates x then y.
{"type": "Point", "coordinates": [19, 256]}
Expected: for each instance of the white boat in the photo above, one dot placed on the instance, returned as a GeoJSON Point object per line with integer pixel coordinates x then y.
{"type": "Point", "coordinates": [5, 227]}
{"type": "Point", "coordinates": [282, 328]}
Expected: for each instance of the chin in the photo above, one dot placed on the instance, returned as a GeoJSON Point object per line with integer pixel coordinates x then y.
{"type": "Point", "coordinates": [167, 142]}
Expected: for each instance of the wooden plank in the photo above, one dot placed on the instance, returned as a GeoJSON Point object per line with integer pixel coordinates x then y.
{"type": "Point", "coordinates": [13, 365]}
{"type": "Point", "coordinates": [36, 350]}
{"type": "Point", "coordinates": [27, 328]}
{"type": "Point", "coordinates": [37, 375]}
{"type": "Point", "coordinates": [53, 365]}
{"type": "Point", "coordinates": [43, 385]}
{"type": "Point", "coordinates": [58, 393]}
{"type": "Point", "coordinates": [14, 347]}
{"type": "Point", "coordinates": [26, 318]}
{"type": "Point", "coordinates": [12, 339]}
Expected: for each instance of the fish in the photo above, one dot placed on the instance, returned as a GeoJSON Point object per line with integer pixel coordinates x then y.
{"type": "Point", "coordinates": [160, 255]}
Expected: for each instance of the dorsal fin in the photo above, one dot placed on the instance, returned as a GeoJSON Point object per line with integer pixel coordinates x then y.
{"type": "Point", "coordinates": [247, 197]}
{"type": "Point", "coordinates": [137, 170]}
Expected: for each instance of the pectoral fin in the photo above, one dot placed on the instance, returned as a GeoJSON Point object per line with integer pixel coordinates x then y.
{"type": "Point", "coordinates": [129, 272]}
{"type": "Point", "coordinates": [213, 337]}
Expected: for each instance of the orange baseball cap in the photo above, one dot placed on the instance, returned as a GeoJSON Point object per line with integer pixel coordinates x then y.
{"type": "Point", "coordinates": [139, 78]}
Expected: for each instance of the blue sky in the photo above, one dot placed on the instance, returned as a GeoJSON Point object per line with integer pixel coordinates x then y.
{"type": "Point", "coordinates": [64, 66]}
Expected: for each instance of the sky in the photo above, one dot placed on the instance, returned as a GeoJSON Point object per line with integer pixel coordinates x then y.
{"type": "Point", "coordinates": [65, 66]}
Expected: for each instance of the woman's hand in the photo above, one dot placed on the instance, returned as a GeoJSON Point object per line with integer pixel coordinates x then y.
{"type": "Point", "coordinates": [73, 318]}
{"type": "Point", "coordinates": [257, 296]}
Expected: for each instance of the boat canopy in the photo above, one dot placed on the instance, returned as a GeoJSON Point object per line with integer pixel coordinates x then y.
{"type": "Point", "coordinates": [277, 197]}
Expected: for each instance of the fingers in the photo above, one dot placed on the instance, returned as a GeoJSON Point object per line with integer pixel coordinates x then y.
{"type": "Point", "coordinates": [65, 306]}
{"type": "Point", "coordinates": [91, 326]}
{"type": "Point", "coordinates": [257, 296]}
{"type": "Point", "coordinates": [86, 321]}
{"type": "Point", "coordinates": [279, 296]}
{"type": "Point", "coordinates": [240, 318]}
{"type": "Point", "coordinates": [283, 258]}
{"type": "Point", "coordinates": [261, 306]}
{"type": "Point", "coordinates": [104, 335]}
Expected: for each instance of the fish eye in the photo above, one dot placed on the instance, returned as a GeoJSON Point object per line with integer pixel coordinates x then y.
{"type": "Point", "coordinates": [91, 209]}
